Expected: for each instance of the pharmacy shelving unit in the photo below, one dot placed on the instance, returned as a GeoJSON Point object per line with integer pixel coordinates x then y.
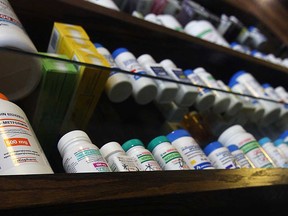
{"type": "Point", "coordinates": [143, 193]}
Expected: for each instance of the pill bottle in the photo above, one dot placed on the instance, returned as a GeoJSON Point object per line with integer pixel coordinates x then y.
{"type": "Point", "coordinates": [273, 59]}
{"type": "Point", "coordinates": [220, 156]}
{"type": "Point", "coordinates": [222, 100]}
{"type": "Point", "coordinates": [245, 141]}
{"type": "Point", "coordinates": [80, 155]}
{"type": "Point", "coordinates": [151, 17]}
{"type": "Point", "coordinates": [21, 152]}
{"type": "Point", "coordinates": [238, 47]}
{"type": "Point", "coordinates": [117, 159]}
{"type": "Point", "coordinates": [205, 98]}
{"type": "Point", "coordinates": [283, 94]}
{"type": "Point", "coordinates": [258, 54]}
{"type": "Point", "coordinates": [235, 104]}
{"type": "Point", "coordinates": [273, 152]}
{"type": "Point", "coordinates": [282, 145]}
{"type": "Point", "coordinates": [205, 30]}
{"type": "Point", "coordinates": [166, 155]}
{"type": "Point", "coordinates": [118, 86]}
{"type": "Point", "coordinates": [20, 74]}
{"type": "Point", "coordinates": [284, 136]}
{"type": "Point", "coordinates": [242, 160]}
{"type": "Point", "coordinates": [166, 90]}
{"type": "Point", "coordinates": [170, 21]}
{"type": "Point", "coordinates": [271, 109]}
{"type": "Point", "coordinates": [136, 149]}
{"type": "Point", "coordinates": [144, 89]}
{"type": "Point", "coordinates": [186, 94]}
{"type": "Point", "coordinates": [189, 149]}
{"type": "Point", "coordinates": [105, 3]}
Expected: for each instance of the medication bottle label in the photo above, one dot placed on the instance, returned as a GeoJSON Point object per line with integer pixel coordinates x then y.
{"type": "Point", "coordinates": [123, 164]}
{"type": "Point", "coordinates": [18, 144]}
{"type": "Point", "coordinates": [223, 159]}
{"type": "Point", "coordinates": [7, 15]}
{"type": "Point", "coordinates": [133, 66]}
{"type": "Point", "coordinates": [241, 159]}
{"type": "Point", "coordinates": [147, 161]}
{"type": "Point", "coordinates": [180, 75]}
{"type": "Point", "coordinates": [160, 71]}
{"type": "Point", "coordinates": [196, 80]}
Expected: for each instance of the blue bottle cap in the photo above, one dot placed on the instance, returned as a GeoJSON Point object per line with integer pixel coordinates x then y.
{"type": "Point", "coordinates": [266, 85]}
{"type": "Point", "coordinates": [211, 147]}
{"type": "Point", "coordinates": [234, 78]}
{"type": "Point", "coordinates": [131, 143]}
{"type": "Point", "coordinates": [177, 134]}
{"type": "Point", "coordinates": [187, 72]}
{"type": "Point", "coordinates": [278, 142]}
{"type": "Point", "coordinates": [156, 141]}
{"type": "Point", "coordinates": [251, 28]}
{"type": "Point", "coordinates": [97, 45]}
{"type": "Point", "coordinates": [264, 140]}
{"type": "Point", "coordinates": [233, 44]}
{"type": "Point", "coordinates": [232, 147]}
{"type": "Point", "coordinates": [118, 52]}
{"type": "Point", "coordinates": [284, 135]}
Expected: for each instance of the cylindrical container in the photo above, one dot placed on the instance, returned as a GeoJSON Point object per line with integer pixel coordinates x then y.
{"type": "Point", "coordinates": [118, 86]}
{"type": "Point", "coordinates": [283, 94]}
{"type": "Point", "coordinates": [240, 157]}
{"type": "Point", "coordinates": [273, 59]}
{"type": "Point", "coordinates": [20, 150]}
{"type": "Point", "coordinates": [258, 54]}
{"type": "Point", "coordinates": [282, 146]}
{"type": "Point", "coordinates": [80, 155]}
{"type": "Point", "coordinates": [205, 30]}
{"type": "Point", "coordinates": [271, 109]}
{"type": "Point", "coordinates": [117, 159]}
{"type": "Point", "coordinates": [238, 47]}
{"type": "Point", "coordinates": [166, 155]}
{"type": "Point", "coordinates": [257, 38]}
{"type": "Point", "coordinates": [105, 3]}
{"type": "Point", "coordinates": [186, 94]}
{"type": "Point", "coordinates": [189, 149]}
{"type": "Point", "coordinates": [144, 89]}
{"type": "Point", "coordinates": [146, 161]}
{"type": "Point", "coordinates": [284, 136]}
{"type": "Point", "coordinates": [222, 100]}
{"type": "Point", "coordinates": [170, 21]}
{"type": "Point", "coordinates": [166, 91]}
{"type": "Point", "coordinates": [273, 152]}
{"type": "Point", "coordinates": [151, 17]}
{"type": "Point", "coordinates": [235, 104]}
{"type": "Point", "coordinates": [220, 156]}
{"type": "Point", "coordinates": [205, 98]}
{"type": "Point", "coordinates": [20, 74]}
{"type": "Point", "coordinates": [237, 135]}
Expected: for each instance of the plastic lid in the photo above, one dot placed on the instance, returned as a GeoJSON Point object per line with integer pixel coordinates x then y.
{"type": "Point", "coordinates": [71, 137]}
{"type": "Point", "coordinates": [168, 63]}
{"type": "Point", "coordinates": [211, 147]}
{"type": "Point", "coordinates": [187, 72]}
{"type": "Point", "coordinates": [3, 97]}
{"type": "Point", "coordinates": [177, 134]}
{"type": "Point", "coordinates": [199, 69]}
{"type": "Point", "coordinates": [118, 52]}
{"type": "Point", "coordinates": [284, 135]}
{"type": "Point", "coordinates": [234, 44]}
{"type": "Point", "coordinates": [97, 45]}
{"type": "Point", "coordinates": [131, 143]}
{"type": "Point", "coordinates": [278, 142]}
{"type": "Point", "coordinates": [251, 28]}
{"type": "Point", "coordinates": [228, 133]}
{"type": "Point", "coordinates": [264, 140]}
{"type": "Point", "coordinates": [109, 148]}
{"type": "Point", "coordinates": [266, 85]}
{"type": "Point", "coordinates": [146, 59]}
{"type": "Point", "coordinates": [233, 148]}
{"type": "Point", "coordinates": [233, 79]}
{"type": "Point", "coordinates": [156, 141]}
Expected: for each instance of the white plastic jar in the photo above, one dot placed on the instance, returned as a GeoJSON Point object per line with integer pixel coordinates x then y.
{"type": "Point", "coordinates": [166, 155]}
{"type": "Point", "coordinates": [189, 149]}
{"type": "Point", "coordinates": [236, 134]}
{"type": "Point", "coordinates": [80, 155]}
{"type": "Point", "coordinates": [118, 86]}
{"type": "Point", "coordinates": [21, 152]}
{"type": "Point", "coordinates": [144, 89]}
{"type": "Point", "coordinates": [240, 157]}
{"type": "Point", "coordinates": [273, 152]}
{"type": "Point", "coordinates": [220, 156]}
{"type": "Point", "coordinates": [166, 90]}
{"type": "Point", "coordinates": [282, 145]}
{"type": "Point", "coordinates": [186, 95]}
{"type": "Point", "coordinates": [205, 98]}
{"type": "Point", "coordinates": [170, 21]}
{"type": "Point", "coordinates": [222, 100]}
{"type": "Point", "coordinates": [20, 74]}
{"type": "Point", "coordinates": [117, 158]}
{"type": "Point", "coordinates": [136, 149]}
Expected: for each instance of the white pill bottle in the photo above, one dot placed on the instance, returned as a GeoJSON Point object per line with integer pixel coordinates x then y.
{"type": "Point", "coordinates": [20, 74]}
{"type": "Point", "coordinates": [20, 150]}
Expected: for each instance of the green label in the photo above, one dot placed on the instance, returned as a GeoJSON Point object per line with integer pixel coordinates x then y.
{"type": "Point", "coordinates": [84, 153]}
{"type": "Point", "coordinates": [145, 157]}
{"type": "Point", "coordinates": [204, 33]}
{"type": "Point", "coordinates": [249, 146]}
{"type": "Point", "coordinates": [171, 156]}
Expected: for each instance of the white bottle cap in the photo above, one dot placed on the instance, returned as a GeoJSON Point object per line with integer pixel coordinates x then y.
{"type": "Point", "coordinates": [168, 63]}
{"type": "Point", "coordinates": [229, 132]}
{"type": "Point", "coordinates": [71, 137]}
{"type": "Point", "coordinates": [110, 148]}
{"type": "Point", "coordinates": [146, 59]}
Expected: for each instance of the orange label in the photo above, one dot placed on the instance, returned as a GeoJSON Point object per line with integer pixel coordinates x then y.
{"type": "Point", "coordinates": [17, 142]}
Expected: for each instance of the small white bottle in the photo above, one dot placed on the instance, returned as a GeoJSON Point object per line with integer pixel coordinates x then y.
{"type": "Point", "coordinates": [220, 156]}
{"type": "Point", "coordinates": [205, 98]}
{"type": "Point", "coordinates": [282, 94]}
{"type": "Point", "coordinates": [273, 152]}
{"type": "Point", "coordinates": [117, 159]}
{"type": "Point", "coordinates": [170, 21]}
{"type": "Point", "coordinates": [222, 100]}
{"type": "Point", "coordinates": [186, 94]}
{"type": "Point", "coordinates": [240, 157]}
{"type": "Point", "coordinates": [166, 155]}
{"type": "Point", "coordinates": [146, 161]}
{"type": "Point", "coordinates": [151, 17]}
{"type": "Point", "coordinates": [189, 149]}
{"type": "Point", "coordinates": [258, 54]}
{"type": "Point", "coordinates": [144, 89]}
{"type": "Point", "coordinates": [237, 135]}
{"type": "Point", "coordinates": [282, 145]}
{"type": "Point", "coordinates": [166, 90]}
{"type": "Point", "coordinates": [118, 86]}
{"type": "Point", "coordinates": [80, 155]}
{"type": "Point", "coordinates": [21, 152]}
